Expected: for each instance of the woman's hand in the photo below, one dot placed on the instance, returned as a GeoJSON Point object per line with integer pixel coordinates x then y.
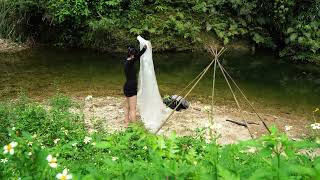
{"type": "Point", "coordinates": [149, 44]}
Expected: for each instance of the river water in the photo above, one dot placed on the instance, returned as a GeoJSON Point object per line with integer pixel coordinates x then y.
{"type": "Point", "coordinates": [272, 85]}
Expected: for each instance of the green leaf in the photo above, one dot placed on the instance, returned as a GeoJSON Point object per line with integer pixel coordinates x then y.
{"type": "Point", "coordinates": [103, 145]}
{"type": "Point", "coordinates": [293, 37]}
{"type": "Point", "coordinates": [258, 38]}
{"type": "Point", "coordinates": [227, 175]}
{"type": "Point", "coordinates": [290, 30]}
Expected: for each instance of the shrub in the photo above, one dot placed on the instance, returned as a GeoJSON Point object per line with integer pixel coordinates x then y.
{"type": "Point", "coordinates": [290, 27]}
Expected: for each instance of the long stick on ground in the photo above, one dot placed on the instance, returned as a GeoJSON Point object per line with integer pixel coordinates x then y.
{"type": "Point", "coordinates": [241, 123]}
{"type": "Point", "coordinates": [264, 124]}
{"type": "Point", "coordinates": [235, 98]}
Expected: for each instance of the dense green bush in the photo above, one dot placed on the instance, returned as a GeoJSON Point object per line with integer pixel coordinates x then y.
{"type": "Point", "coordinates": [288, 26]}
{"type": "Point", "coordinates": [50, 124]}
{"type": "Point", "coordinates": [137, 154]}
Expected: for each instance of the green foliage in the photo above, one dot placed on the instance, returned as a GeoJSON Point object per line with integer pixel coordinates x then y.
{"type": "Point", "coordinates": [5, 121]}
{"type": "Point", "coordinates": [51, 124]}
{"type": "Point", "coordinates": [303, 41]}
{"type": "Point", "coordinates": [288, 26]}
{"type": "Point", "coordinates": [16, 18]}
{"type": "Point", "coordinates": [137, 154]}
{"type": "Point", "coordinates": [61, 102]}
{"type": "Point", "coordinates": [68, 11]}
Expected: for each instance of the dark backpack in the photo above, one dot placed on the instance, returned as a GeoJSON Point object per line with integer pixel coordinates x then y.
{"type": "Point", "coordinates": [173, 101]}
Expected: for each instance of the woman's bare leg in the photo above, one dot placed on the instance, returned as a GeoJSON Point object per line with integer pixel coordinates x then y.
{"type": "Point", "coordinates": [132, 108]}
{"type": "Point", "coordinates": [126, 112]}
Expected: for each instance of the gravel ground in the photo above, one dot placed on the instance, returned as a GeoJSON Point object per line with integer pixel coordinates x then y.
{"type": "Point", "coordinates": [107, 114]}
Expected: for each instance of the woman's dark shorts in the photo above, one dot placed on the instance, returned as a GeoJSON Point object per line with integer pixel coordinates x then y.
{"type": "Point", "coordinates": [130, 88]}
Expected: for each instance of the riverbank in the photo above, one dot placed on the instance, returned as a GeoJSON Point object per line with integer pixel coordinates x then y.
{"type": "Point", "coordinates": [8, 46]}
{"type": "Point", "coordinates": [242, 47]}
{"type": "Point", "coordinates": [107, 114]}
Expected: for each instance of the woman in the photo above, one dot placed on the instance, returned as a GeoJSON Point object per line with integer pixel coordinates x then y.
{"type": "Point", "coordinates": [130, 87]}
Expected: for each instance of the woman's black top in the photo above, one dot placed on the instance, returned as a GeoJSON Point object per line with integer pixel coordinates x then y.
{"type": "Point", "coordinates": [130, 87]}
{"type": "Point", "coordinates": [129, 68]}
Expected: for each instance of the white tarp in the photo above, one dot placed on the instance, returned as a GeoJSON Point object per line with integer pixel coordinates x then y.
{"type": "Point", "coordinates": [152, 110]}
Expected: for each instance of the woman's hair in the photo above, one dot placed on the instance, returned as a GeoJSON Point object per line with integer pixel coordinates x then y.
{"type": "Point", "coordinates": [132, 50]}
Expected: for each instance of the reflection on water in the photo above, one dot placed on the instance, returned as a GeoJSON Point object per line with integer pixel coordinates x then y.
{"type": "Point", "coordinates": [272, 85]}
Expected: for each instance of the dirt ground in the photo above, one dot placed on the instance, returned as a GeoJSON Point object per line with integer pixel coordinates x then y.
{"type": "Point", "coordinates": [107, 113]}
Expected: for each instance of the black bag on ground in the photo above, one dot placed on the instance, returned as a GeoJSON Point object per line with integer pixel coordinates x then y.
{"type": "Point", "coordinates": [174, 100]}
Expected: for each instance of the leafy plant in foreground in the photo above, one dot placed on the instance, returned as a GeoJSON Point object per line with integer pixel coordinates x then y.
{"type": "Point", "coordinates": [137, 154]}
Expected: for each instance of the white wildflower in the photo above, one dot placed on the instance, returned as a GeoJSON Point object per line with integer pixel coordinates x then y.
{"type": "Point", "coordinates": [65, 132]}
{"type": "Point", "coordinates": [87, 139]}
{"type": "Point", "coordinates": [30, 153]}
{"type": "Point", "coordinates": [64, 175]}
{"type": "Point", "coordinates": [145, 147]}
{"type": "Point", "coordinates": [13, 128]}
{"type": "Point", "coordinates": [287, 128]}
{"type": "Point", "coordinates": [74, 144]}
{"type": "Point", "coordinates": [114, 158]}
{"type": "Point", "coordinates": [30, 143]}
{"type": "Point", "coordinates": [5, 160]}
{"type": "Point", "coordinates": [52, 161]}
{"type": "Point", "coordinates": [10, 148]}
{"type": "Point", "coordinates": [34, 136]}
{"type": "Point", "coordinates": [315, 126]}
{"type": "Point", "coordinates": [207, 139]}
{"type": "Point", "coordinates": [56, 141]}
{"type": "Point", "coordinates": [43, 147]}
{"type": "Point", "coordinates": [252, 150]}
{"type": "Point", "coordinates": [88, 98]}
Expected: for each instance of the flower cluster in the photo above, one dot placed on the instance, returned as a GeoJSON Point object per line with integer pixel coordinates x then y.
{"type": "Point", "coordinates": [52, 161]}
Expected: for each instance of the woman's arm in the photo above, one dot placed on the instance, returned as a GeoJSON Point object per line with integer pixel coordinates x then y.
{"type": "Point", "coordinates": [140, 53]}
